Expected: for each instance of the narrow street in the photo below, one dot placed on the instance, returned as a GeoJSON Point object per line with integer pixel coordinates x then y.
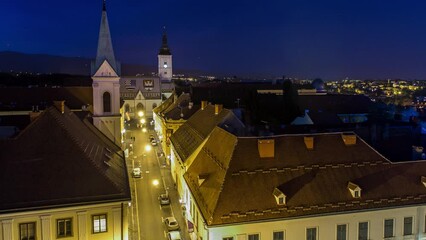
{"type": "Point", "coordinates": [147, 215]}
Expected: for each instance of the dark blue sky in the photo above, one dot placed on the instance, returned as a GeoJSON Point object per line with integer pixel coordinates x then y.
{"type": "Point", "coordinates": [299, 38]}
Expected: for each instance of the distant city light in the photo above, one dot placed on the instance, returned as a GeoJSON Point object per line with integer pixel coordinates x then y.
{"type": "Point", "coordinates": [148, 148]}
{"type": "Point", "coordinates": [155, 182]}
{"type": "Point", "coordinates": [140, 114]}
{"type": "Point", "coordinates": [143, 129]}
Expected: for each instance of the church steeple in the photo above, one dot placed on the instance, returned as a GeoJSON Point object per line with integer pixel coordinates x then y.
{"type": "Point", "coordinates": [164, 50]}
{"type": "Point", "coordinates": [105, 49]}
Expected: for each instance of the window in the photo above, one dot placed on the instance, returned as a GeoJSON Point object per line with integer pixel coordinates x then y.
{"type": "Point", "coordinates": [27, 231]}
{"type": "Point", "coordinates": [228, 238]}
{"type": "Point", "coordinates": [127, 108]}
{"type": "Point", "coordinates": [281, 201]}
{"type": "Point", "coordinates": [278, 235]}
{"type": "Point", "coordinates": [253, 236]}
{"type": "Point", "coordinates": [99, 223]}
{"type": "Point", "coordinates": [64, 227]}
{"type": "Point", "coordinates": [408, 226]}
{"type": "Point", "coordinates": [357, 194]}
{"type": "Point", "coordinates": [311, 233]}
{"type": "Point", "coordinates": [107, 102]}
{"type": "Point", "coordinates": [341, 232]}
{"type": "Point", "coordinates": [363, 231]}
{"type": "Point", "coordinates": [388, 228]}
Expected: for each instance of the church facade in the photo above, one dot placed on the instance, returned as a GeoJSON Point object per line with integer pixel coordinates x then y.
{"type": "Point", "coordinates": [118, 98]}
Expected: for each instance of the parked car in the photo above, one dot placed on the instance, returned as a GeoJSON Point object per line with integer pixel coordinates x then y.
{"type": "Point", "coordinates": [136, 172]}
{"type": "Point", "coordinates": [164, 199]}
{"type": "Point", "coordinates": [153, 142]}
{"type": "Point", "coordinates": [151, 136]}
{"type": "Point", "coordinates": [174, 235]}
{"type": "Point", "coordinates": [171, 223]}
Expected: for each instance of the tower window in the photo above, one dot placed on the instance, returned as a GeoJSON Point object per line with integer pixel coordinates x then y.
{"type": "Point", "coordinates": [107, 102]}
{"type": "Point", "coordinates": [165, 73]}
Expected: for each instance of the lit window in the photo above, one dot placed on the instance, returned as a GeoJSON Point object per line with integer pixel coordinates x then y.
{"type": "Point", "coordinates": [99, 223]}
{"type": "Point", "coordinates": [64, 227]}
{"type": "Point", "coordinates": [254, 236]}
{"type": "Point", "coordinates": [388, 228]}
{"type": "Point", "coordinates": [27, 231]}
{"type": "Point", "coordinates": [408, 226]}
{"type": "Point", "coordinates": [278, 235]}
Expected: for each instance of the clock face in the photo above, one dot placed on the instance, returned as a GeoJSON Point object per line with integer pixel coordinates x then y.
{"type": "Point", "coordinates": [165, 65]}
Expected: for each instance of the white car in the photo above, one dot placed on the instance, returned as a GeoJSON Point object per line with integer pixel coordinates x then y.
{"type": "Point", "coordinates": [174, 235]}
{"type": "Point", "coordinates": [153, 142]}
{"type": "Point", "coordinates": [136, 172]}
{"type": "Point", "coordinates": [171, 223]}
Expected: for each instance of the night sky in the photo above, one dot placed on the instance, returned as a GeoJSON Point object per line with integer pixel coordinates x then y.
{"type": "Point", "coordinates": [299, 38]}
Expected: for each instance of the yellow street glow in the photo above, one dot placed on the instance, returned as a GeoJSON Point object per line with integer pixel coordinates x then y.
{"type": "Point", "coordinates": [143, 129]}
{"type": "Point", "coordinates": [155, 182]}
{"type": "Point", "coordinates": [147, 148]}
{"type": "Point", "coordinates": [140, 114]}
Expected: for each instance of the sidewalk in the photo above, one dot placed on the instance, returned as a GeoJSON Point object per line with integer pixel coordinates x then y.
{"type": "Point", "coordinates": [170, 187]}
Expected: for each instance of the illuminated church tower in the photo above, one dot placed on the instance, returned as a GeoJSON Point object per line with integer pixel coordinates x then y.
{"type": "Point", "coordinates": [106, 86]}
{"type": "Point", "coordinates": [165, 61]}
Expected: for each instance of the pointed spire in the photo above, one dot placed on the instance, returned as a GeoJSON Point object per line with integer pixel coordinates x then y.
{"type": "Point", "coordinates": [164, 50]}
{"type": "Point", "coordinates": [105, 50]}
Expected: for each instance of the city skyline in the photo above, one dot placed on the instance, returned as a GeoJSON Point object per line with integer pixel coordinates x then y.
{"type": "Point", "coordinates": [330, 40]}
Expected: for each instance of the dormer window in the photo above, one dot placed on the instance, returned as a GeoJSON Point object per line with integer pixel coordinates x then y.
{"type": "Point", "coordinates": [423, 180]}
{"type": "Point", "coordinates": [280, 197]}
{"type": "Point", "coordinates": [354, 189]}
{"type": "Point", "coordinates": [202, 178]}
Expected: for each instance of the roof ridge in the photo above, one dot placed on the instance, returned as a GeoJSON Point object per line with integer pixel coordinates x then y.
{"type": "Point", "coordinates": [310, 167]}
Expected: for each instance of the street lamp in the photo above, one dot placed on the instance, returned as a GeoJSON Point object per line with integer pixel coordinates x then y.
{"type": "Point", "coordinates": [140, 114]}
{"type": "Point", "coordinates": [148, 148]}
{"type": "Point", "coordinates": [155, 182]}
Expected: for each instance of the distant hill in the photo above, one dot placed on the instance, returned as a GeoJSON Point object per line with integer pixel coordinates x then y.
{"type": "Point", "coordinates": [43, 63]}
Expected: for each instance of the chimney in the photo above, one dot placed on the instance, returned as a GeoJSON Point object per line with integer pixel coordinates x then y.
{"type": "Point", "coordinates": [266, 148]}
{"type": "Point", "coordinates": [60, 105]}
{"type": "Point", "coordinates": [309, 142]}
{"type": "Point", "coordinates": [217, 108]}
{"type": "Point", "coordinates": [203, 105]}
{"type": "Point", "coordinates": [349, 139]}
{"type": "Point", "coordinates": [34, 115]}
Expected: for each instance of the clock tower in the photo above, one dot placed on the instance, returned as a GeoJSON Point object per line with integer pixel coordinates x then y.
{"type": "Point", "coordinates": [165, 66]}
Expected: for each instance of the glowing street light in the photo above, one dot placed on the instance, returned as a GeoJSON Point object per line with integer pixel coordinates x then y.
{"type": "Point", "coordinates": [143, 121]}
{"type": "Point", "coordinates": [155, 182]}
{"type": "Point", "coordinates": [148, 148]}
{"type": "Point", "coordinates": [144, 130]}
{"type": "Point", "coordinates": [140, 114]}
